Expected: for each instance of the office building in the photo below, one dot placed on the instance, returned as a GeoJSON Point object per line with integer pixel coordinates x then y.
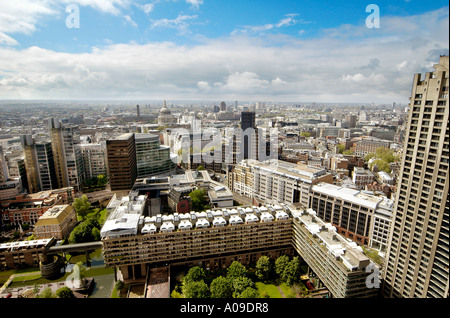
{"type": "Point", "coordinates": [418, 255]}
{"type": "Point", "coordinates": [249, 136]}
{"type": "Point", "coordinates": [361, 217]}
{"type": "Point", "coordinates": [366, 146]}
{"type": "Point", "coordinates": [274, 181]}
{"type": "Point", "coordinates": [39, 165]}
{"type": "Point", "coordinates": [121, 156]}
{"type": "Point", "coordinates": [152, 158]}
{"type": "Point", "coordinates": [27, 208]}
{"type": "Point", "coordinates": [9, 187]}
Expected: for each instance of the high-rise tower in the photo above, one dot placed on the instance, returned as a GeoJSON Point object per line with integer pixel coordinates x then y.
{"type": "Point", "coordinates": [418, 255]}
{"type": "Point", "coordinates": [67, 154]}
{"type": "Point", "coordinates": [250, 139]}
{"type": "Point", "coordinates": [122, 168]}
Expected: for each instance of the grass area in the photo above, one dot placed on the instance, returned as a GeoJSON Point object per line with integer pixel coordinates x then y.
{"type": "Point", "coordinates": [287, 290]}
{"type": "Point", "coordinates": [39, 280]}
{"type": "Point", "coordinates": [5, 274]}
{"type": "Point", "coordinates": [25, 278]}
{"type": "Point", "coordinates": [268, 289]}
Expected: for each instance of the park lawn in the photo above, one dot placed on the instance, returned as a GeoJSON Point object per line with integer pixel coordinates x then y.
{"type": "Point", "coordinates": [24, 278]}
{"type": "Point", "coordinates": [287, 290]}
{"type": "Point", "coordinates": [271, 290]}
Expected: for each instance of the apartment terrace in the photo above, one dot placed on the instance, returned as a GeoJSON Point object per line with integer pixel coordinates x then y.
{"type": "Point", "coordinates": [200, 234]}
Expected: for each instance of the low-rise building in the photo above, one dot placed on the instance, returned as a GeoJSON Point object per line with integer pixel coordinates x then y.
{"type": "Point", "coordinates": [362, 177]}
{"type": "Point", "coordinates": [27, 208]}
{"type": "Point", "coordinates": [23, 253]}
{"type": "Point", "coordinates": [58, 221]}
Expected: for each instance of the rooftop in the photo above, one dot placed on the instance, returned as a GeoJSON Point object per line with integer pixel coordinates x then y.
{"type": "Point", "coordinates": [135, 224]}
{"type": "Point", "coordinates": [55, 215]}
{"type": "Point", "coordinates": [292, 170]}
{"type": "Point", "coordinates": [351, 255]}
{"type": "Point", "coordinates": [21, 245]}
{"type": "Point", "coordinates": [353, 196]}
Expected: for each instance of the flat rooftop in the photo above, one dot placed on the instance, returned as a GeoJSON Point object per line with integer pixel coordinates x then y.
{"type": "Point", "coordinates": [343, 249]}
{"type": "Point", "coordinates": [353, 196]}
{"type": "Point", "coordinates": [21, 245]}
{"type": "Point", "coordinates": [296, 171]}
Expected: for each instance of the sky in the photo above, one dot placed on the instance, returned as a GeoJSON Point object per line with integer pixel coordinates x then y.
{"type": "Point", "coordinates": [255, 50]}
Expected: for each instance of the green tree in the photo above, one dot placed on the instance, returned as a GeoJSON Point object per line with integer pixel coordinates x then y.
{"type": "Point", "coordinates": [87, 231]}
{"type": "Point", "coordinates": [305, 134]}
{"type": "Point", "coordinates": [64, 292]}
{"type": "Point", "coordinates": [221, 287]}
{"type": "Point", "coordinates": [81, 206]}
{"type": "Point", "coordinates": [236, 270]}
{"type": "Point", "coordinates": [264, 268]}
{"type": "Point", "coordinates": [291, 272]}
{"type": "Point", "coordinates": [199, 199]}
{"type": "Point", "coordinates": [240, 284]}
{"type": "Point", "coordinates": [101, 180]}
{"type": "Point", "coordinates": [196, 289]}
{"type": "Point", "coordinates": [249, 292]}
{"type": "Point", "coordinates": [281, 264]}
{"type": "Point", "coordinates": [194, 274]}
{"type": "Point", "coordinates": [341, 148]}
{"type": "Point", "coordinates": [382, 165]}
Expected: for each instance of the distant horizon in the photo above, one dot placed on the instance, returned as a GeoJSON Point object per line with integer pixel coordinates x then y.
{"type": "Point", "coordinates": [212, 101]}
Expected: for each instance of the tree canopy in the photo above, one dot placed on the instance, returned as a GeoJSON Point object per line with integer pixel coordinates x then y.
{"type": "Point", "coordinates": [200, 201]}
{"type": "Point", "coordinates": [81, 206]}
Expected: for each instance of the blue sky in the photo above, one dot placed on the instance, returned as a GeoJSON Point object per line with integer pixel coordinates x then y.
{"type": "Point", "coordinates": [214, 49]}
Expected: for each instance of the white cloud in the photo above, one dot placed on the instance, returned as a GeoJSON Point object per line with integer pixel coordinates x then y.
{"type": "Point", "coordinates": [195, 3]}
{"type": "Point", "coordinates": [181, 23]}
{"type": "Point", "coordinates": [130, 21]}
{"type": "Point", "coordinates": [289, 20]}
{"type": "Point", "coordinates": [5, 39]}
{"type": "Point", "coordinates": [204, 86]}
{"type": "Point", "coordinates": [348, 64]}
{"type": "Point", "coordinates": [22, 17]}
{"type": "Point", "coordinates": [147, 8]}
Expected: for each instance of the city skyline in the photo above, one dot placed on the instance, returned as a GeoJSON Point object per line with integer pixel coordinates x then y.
{"type": "Point", "coordinates": [211, 50]}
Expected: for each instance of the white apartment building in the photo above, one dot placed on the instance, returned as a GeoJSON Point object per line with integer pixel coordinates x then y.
{"type": "Point", "coordinates": [274, 181]}
{"type": "Point", "coordinates": [94, 159]}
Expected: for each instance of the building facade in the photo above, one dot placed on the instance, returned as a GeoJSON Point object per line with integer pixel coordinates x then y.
{"type": "Point", "coordinates": [122, 168]}
{"type": "Point", "coordinates": [216, 237]}
{"type": "Point", "coordinates": [39, 165]}
{"type": "Point", "coordinates": [274, 181]}
{"type": "Point", "coordinates": [58, 222]}
{"type": "Point", "coordinates": [152, 158]}
{"type": "Point", "coordinates": [418, 255]}
{"type": "Point", "coordinates": [94, 159]}
{"type": "Point", "coordinates": [65, 139]}
{"type": "Point", "coordinates": [363, 218]}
